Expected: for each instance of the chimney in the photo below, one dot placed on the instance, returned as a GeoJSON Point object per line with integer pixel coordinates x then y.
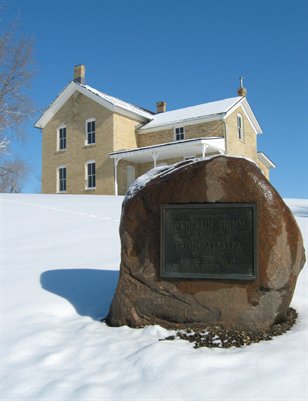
{"type": "Point", "coordinates": [79, 73]}
{"type": "Point", "coordinates": [161, 107]}
{"type": "Point", "coordinates": [241, 90]}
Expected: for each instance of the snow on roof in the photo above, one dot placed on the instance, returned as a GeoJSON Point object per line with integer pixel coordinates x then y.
{"type": "Point", "coordinates": [150, 121]}
{"type": "Point", "coordinates": [120, 103]}
{"type": "Point", "coordinates": [112, 103]}
{"type": "Point", "coordinates": [191, 113]}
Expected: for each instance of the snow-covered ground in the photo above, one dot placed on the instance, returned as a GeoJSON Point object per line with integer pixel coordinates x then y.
{"type": "Point", "coordinates": [59, 269]}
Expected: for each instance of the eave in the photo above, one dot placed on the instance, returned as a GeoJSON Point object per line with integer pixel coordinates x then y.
{"type": "Point", "coordinates": [265, 160]}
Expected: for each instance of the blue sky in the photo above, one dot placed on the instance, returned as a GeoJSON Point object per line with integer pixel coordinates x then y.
{"type": "Point", "coordinates": [183, 52]}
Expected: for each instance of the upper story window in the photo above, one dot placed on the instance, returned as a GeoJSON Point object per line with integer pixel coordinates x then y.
{"type": "Point", "coordinates": [240, 127]}
{"type": "Point", "coordinates": [90, 132]}
{"type": "Point", "coordinates": [61, 138]}
{"type": "Point", "coordinates": [179, 134]}
{"type": "Point", "coordinates": [91, 175]}
{"type": "Point", "coordinates": [62, 179]}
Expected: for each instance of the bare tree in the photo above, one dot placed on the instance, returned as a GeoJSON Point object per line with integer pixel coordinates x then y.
{"type": "Point", "coordinates": [12, 174]}
{"type": "Point", "coordinates": [16, 72]}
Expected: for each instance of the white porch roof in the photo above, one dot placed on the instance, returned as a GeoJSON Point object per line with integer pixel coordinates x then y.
{"type": "Point", "coordinates": [265, 160]}
{"type": "Point", "coordinates": [171, 150]}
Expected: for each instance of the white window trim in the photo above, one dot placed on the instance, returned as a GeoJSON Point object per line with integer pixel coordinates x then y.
{"type": "Point", "coordinates": [174, 133]}
{"type": "Point", "coordinates": [242, 136]}
{"type": "Point", "coordinates": [58, 138]}
{"type": "Point", "coordinates": [58, 180]}
{"type": "Point", "coordinates": [86, 175]}
{"type": "Point", "coordinates": [86, 132]}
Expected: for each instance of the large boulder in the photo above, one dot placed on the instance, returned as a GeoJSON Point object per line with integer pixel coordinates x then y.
{"type": "Point", "coordinates": [143, 297]}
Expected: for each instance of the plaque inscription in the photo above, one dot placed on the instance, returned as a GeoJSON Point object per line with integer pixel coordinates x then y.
{"type": "Point", "coordinates": [209, 241]}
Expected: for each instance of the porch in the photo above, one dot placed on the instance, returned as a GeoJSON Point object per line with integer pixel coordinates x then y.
{"type": "Point", "coordinates": [166, 152]}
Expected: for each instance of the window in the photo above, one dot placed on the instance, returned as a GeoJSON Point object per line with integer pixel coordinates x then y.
{"type": "Point", "coordinates": [61, 138]}
{"type": "Point", "coordinates": [179, 133]}
{"type": "Point", "coordinates": [62, 179]}
{"type": "Point", "coordinates": [91, 175]}
{"type": "Point", "coordinates": [90, 132]}
{"type": "Point", "coordinates": [240, 127]}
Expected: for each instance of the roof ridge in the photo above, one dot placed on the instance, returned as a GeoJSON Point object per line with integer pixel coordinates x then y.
{"type": "Point", "coordinates": [239, 98]}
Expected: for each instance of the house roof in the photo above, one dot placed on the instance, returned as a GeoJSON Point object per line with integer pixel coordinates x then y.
{"type": "Point", "coordinates": [195, 114]}
{"type": "Point", "coordinates": [149, 121]}
{"type": "Point", "coordinates": [112, 103]}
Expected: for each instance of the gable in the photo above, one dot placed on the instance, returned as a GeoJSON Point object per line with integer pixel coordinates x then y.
{"type": "Point", "coordinates": [76, 111]}
{"type": "Point", "coordinates": [231, 120]}
{"type": "Point", "coordinates": [111, 103]}
{"type": "Point", "coordinates": [244, 107]}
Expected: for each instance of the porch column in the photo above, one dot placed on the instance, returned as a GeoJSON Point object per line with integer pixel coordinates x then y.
{"type": "Point", "coordinates": [116, 161]}
{"type": "Point", "coordinates": [155, 156]}
{"type": "Point", "coordinates": [204, 147]}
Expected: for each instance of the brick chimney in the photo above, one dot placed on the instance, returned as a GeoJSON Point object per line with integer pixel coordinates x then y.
{"type": "Point", "coordinates": [79, 73]}
{"type": "Point", "coordinates": [161, 107]}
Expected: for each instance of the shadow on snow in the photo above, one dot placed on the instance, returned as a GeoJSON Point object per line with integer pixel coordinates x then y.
{"type": "Point", "coordinates": [90, 291]}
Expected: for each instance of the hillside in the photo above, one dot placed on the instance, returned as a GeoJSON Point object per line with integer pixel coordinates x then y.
{"type": "Point", "coordinates": [59, 269]}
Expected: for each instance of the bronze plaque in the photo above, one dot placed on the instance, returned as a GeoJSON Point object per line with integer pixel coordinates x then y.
{"type": "Point", "coordinates": [209, 241]}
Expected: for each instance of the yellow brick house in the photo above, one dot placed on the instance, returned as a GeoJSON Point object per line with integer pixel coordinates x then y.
{"type": "Point", "coordinates": [95, 143]}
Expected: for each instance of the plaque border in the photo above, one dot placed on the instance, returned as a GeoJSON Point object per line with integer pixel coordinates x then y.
{"type": "Point", "coordinates": [214, 277]}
